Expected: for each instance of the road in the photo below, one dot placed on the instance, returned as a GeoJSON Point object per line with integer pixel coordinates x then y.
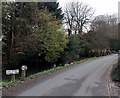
{"type": "Point", "coordinates": [85, 79]}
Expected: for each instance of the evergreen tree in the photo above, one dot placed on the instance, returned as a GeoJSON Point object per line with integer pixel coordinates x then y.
{"type": "Point", "coordinates": [53, 8]}
{"type": "Point", "coordinates": [26, 29]}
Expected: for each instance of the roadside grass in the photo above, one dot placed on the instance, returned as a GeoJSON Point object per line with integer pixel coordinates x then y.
{"type": "Point", "coordinates": [8, 83]}
{"type": "Point", "coordinates": [14, 82]}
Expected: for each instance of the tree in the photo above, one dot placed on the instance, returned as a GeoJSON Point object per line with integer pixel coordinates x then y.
{"type": "Point", "coordinates": [106, 24]}
{"type": "Point", "coordinates": [114, 44]}
{"type": "Point", "coordinates": [104, 32]}
{"type": "Point", "coordinates": [53, 8]}
{"type": "Point", "coordinates": [37, 32]}
{"type": "Point", "coordinates": [77, 15]}
{"type": "Point", "coordinates": [16, 25]}
{"type": "Point", "coordinates": [7, 19]}
{"type": "Point", "coordinates": [76, 49]}
{"type": "Point", "coordinates": [50, 36]}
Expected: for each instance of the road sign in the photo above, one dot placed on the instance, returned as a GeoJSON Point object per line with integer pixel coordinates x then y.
{"type": "Point", "coordinates": [12, 72]}
{"type": "Point", "coordinates": [24, 67]}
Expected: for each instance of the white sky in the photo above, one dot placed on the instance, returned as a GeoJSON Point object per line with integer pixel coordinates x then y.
{"type": "Point", "coordinates": [100, 6]}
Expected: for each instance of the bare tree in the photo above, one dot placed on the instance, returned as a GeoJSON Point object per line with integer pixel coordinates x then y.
{"type": "Point", "coordinates": [77, 15]}
{"type": "Point", "coordinates": [104, 32]}
{"type": "Point", "coordinates": [69, 20]}
{"type": "Point", "coordinates": [105, 24]}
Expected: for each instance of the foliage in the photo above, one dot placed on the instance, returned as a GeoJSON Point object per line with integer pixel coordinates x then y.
{"type": "Point", "coordinates": [50, 36]}
{"type": "Point", "coordinates": [76, 49]}
{"type": "Point", "coordinates": [53, 8]}
{"type": "Point", "coordinates": [16, 27]}
{"type": "Point", "coordinates": [104, 32]}
{"type": "Point", "coordinates": [73, 47]}
{"type": "Point", "coordinates": [115, 46]}
{"type": "Point", "coordinates": [36, 32]}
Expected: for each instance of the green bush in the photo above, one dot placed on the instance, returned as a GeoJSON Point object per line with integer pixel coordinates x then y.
{"type": "Point", "coordinates": [76, 50]}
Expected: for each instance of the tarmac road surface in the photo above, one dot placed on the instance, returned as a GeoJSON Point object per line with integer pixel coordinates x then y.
{"type": "Point", "coordinates": [85, 79]}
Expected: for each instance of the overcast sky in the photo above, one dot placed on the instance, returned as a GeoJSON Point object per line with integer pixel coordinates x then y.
{"type": "Point", "coordinates": [101, 6]}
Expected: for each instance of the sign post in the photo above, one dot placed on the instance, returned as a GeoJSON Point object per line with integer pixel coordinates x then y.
{"type": "Point", "coordinates": [12, 73]}
{"type": "Point", "coordinates": [23, 74]}
{"type": "Point", "coordinates": [13, 77]}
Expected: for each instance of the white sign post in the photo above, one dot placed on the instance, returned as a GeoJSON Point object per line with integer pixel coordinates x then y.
{"type": "Point", "coordinates": [24, 68]}
{"type": "Point", "coordinates": [13, 73]}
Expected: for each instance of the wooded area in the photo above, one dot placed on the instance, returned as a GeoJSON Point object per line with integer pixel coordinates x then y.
{"type": "Point", "coordinates": [41, 35]}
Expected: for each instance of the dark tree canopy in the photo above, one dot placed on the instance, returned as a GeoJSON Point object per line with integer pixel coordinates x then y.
{"type": "Point", "coordinates": [53, 8]}
{"type": "Point", "coordinates": [36, 32]}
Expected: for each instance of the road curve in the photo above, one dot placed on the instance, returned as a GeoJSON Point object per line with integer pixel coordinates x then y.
{"type": "Point", "coordinates": [86, 79]}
